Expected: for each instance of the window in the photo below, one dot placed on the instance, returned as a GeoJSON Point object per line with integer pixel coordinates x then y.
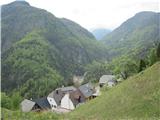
{"type": "Point", "coordinates": [53, 106]}
{"type": "Point", "coordinates": [79, 99]}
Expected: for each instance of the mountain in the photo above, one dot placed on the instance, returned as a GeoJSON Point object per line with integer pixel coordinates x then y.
{"type": "Point", "coordinates": [20, 16]}
{"type": "Point", "coordinates": [136, 98]}
{"type": "Point", "coordinates": [99, 33]}
{"type": "Point", "coordinates": [41, 52]}
{"type": "Point", "coordinates": [136, 35]}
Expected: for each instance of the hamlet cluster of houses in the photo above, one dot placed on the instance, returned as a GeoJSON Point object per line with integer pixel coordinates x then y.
{"type": "Point", "coordinates": [67, 98]}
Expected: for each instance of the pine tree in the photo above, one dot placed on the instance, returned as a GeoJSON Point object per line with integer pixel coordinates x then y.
{"type": "Point", "coordinates": [158, 51]}
{"type": "Point", "coordinates": [142, 65]}
{"type": "Point", "coordinates": [152, 56]}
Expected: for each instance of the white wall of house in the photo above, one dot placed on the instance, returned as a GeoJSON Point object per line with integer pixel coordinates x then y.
{"type": "Point", "coordinates": [97, 93]}
{"type": "Point", "coordinates": [67, 103]}
{"type": "Point", "coordinates": [52, 102]}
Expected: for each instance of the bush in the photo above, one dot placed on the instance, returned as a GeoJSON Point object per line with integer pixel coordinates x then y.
{"type": "Point", "coordinates": [16, 99]}
{"type": "Point", "coordinates": [6, 102]}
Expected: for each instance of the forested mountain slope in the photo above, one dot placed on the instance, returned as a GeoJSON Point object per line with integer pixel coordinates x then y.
{"type": "Point", "coordinates": [136, 35]}
{"type": "Point", "coordinates": [41, 51]}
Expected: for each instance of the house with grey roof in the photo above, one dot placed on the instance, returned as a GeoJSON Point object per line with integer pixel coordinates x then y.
{"type": "Point", "coordinates": [55, 97]}
{"type": "Point", "coordinates": [65, 97]}
{"type": "Point", "coordinates": [37, 105]}
{"type": "Point", "coordinates": [71, 100]}
{"type": "Point", "coordinates": [67, 89]}
{"type": "Point", "coordinates": [109, 80]}
{"type": "Point", "coordinates": [87, 90]}
{"type": "Point", "coordinates": [42, 104]}
{"type": "Point", "coordinates": [27, 105]}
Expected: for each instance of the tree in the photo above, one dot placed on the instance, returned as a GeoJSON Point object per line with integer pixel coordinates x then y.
{"type": "Point", "coordinates": [129, 67]}
{"type": "Point", "coordinates": [142, 65]}
{"type": "Point", "coordinates": [152, 56]}
{"type": "Point", "coordinates": [5, 101]}
{"type": "Point", "coordinates": [16, 99]}
{"type": "Point", "coordinates": [95, 70]}
{"type": "Point", "coordinates": [158, 51]}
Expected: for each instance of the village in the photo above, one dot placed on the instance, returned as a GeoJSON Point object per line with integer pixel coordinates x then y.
{"type": "Point", "coordinates": [66, 99]}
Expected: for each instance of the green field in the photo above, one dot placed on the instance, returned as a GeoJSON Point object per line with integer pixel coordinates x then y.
{"type": "Point", "coordinates": [18, 115]}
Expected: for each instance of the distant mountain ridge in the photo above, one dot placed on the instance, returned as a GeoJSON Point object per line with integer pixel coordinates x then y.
{"type": "Point", "coordinates": [41, 50]}
{"type": "Point", "coordinates": [135, 35]}
{"type": "Point", "coordinates": [99, 33]}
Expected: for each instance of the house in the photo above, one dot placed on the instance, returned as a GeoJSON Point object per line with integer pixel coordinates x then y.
{"type": "Point", "coordinates": [97, 91]}
{"type": "Point", "coordinates": [124, 75]}
{"type": "Point", "coordinates": [67, 102]}
{"type": "Point", "coordinates": [55, 97]}
{"type": "Point", "coordinates": [109, 80]}
{"type": "Point", "coordinates": [77, 97]}
{"type": "Point", "coordinates": [35, 105]}
{"type": "Point", "coordinates": [65, 97]}
{"type": "Point", "coordinates": [27, 105]}
{"type": "Point", "coordinates": [71, 100]}
{"type": "Point", "coordinates": [111, 83]}
{"type": "Point", "coordinates": [67, 89]}
{"type": "Point", "coordinates": [87, 90]}
{"type": "Point", "coordinates": [42, 104]}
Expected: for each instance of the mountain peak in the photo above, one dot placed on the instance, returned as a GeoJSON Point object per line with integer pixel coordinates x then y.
{"type": "Point", "coordinates": [19, 2]}
{"type": "Point", "coordinates": [145, 13]}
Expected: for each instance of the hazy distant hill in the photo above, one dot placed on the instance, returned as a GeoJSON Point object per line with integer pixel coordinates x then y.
{"type": "Point", "coordinates": [99, 33]}
{"type": "Point", "coordinates": [40, 51]}
{"type": "Point", "coordinates": [137, 34]}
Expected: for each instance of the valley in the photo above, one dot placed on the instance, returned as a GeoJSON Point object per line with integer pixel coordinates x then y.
{"type": "Point", "coordinates": [53, 68]}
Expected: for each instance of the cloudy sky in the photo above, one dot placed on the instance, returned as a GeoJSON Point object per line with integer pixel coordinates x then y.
{"type": "Point", "coordinates": [95, 13]}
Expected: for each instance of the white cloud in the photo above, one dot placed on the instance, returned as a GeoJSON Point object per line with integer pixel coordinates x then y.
{"type": "Point", "coordinates": [95, 13]}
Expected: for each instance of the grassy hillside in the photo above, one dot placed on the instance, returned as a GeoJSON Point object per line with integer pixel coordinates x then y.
{"type": "Point", "coordinates": [18, 115]}
{"type": "Point", "coordinates": [136, 98]}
